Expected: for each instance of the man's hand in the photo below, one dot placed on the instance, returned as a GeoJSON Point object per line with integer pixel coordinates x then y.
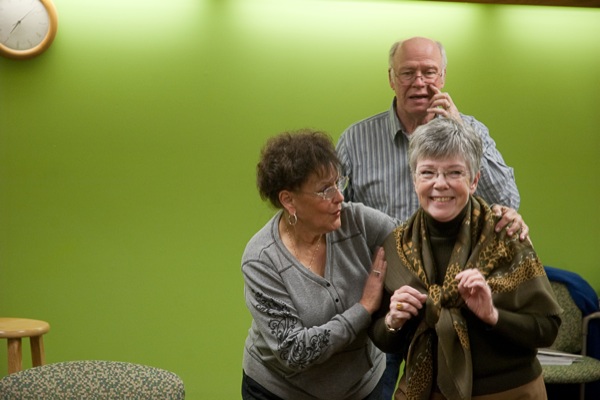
{"type": "Point", "coordinates": [512, 220]}
{"type": "Point", "coordinates": [441, 104]}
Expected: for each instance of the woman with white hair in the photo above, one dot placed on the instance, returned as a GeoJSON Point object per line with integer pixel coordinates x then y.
{"type": "Point", "coordinates": [466, 306]}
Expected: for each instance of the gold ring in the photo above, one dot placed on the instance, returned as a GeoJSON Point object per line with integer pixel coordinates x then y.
{"type": "Point", "coordinates": [399, 306]}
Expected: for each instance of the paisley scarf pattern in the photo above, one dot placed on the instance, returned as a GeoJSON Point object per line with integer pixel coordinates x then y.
{"type": "Point", "coordinates": [512, 270]}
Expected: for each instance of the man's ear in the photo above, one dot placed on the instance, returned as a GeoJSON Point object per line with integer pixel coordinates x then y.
{"type": "Point", "coordinates": [443, 78]}
{"type": "Point", "coordinates": [391, 78]}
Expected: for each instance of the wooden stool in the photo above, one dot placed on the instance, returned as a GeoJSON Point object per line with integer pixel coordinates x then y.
{"type": "Point", "coordinates": [14, 329]}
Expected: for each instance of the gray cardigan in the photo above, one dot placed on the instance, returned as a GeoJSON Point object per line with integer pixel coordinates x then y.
{"type": "Point", "coordinates": [308, 336]}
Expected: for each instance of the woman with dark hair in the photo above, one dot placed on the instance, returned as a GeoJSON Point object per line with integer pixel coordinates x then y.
{"type": "Point", "coordinates": [313, 277]}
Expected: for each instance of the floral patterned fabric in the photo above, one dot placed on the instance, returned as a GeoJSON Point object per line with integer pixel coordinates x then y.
{"type": "Point", "coordinates": [586, 370]}
{"type": "Point", "coordinates": [99, 380]}
{"type": "Point", "coordinates": [569, 339]}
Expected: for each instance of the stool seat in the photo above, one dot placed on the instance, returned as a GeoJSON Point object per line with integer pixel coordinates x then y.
{"type": "Point", "coordinates": [14, 329]}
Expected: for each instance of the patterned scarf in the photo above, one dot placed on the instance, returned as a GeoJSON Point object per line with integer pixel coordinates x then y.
{"type": "Point", "coordinates": [512, 270]}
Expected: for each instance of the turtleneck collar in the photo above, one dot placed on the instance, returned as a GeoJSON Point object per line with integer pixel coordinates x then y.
{"type": "Point", "coordinates": [447, 229]}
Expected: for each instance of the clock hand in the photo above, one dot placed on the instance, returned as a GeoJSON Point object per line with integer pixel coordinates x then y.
{"type": "Point", "coordinates": [26, 14]}
{"type": "Point", "coordinates": [16, 25]}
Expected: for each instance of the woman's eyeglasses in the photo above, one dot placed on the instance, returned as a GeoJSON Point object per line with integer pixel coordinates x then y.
{"type": "Point", "coordinates": [428, 175]}
{"type": "Point", "coordinates": [330, 192]}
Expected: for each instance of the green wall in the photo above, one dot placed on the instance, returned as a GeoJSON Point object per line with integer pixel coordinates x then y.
{"type": "Point", "coordinates": [127, 153]}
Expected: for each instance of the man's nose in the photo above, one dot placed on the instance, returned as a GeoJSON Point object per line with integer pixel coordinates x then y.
{"type": "Point", "coordinates": [419, 80]}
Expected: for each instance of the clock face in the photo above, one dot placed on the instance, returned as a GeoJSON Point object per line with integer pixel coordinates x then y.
{"type": "Point", "coordinates": [27, 27]}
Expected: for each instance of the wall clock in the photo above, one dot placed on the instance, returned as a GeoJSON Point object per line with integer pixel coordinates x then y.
{"type": "Point", "coordinates": [27, 27]}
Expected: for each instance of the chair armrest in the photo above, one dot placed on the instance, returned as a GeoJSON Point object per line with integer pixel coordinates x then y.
{"type": "Point", "coordinates": [585, 327]}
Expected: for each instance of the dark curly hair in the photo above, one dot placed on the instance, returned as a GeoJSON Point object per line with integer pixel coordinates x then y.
{"type": "Point", "coordinates": [288, 159]}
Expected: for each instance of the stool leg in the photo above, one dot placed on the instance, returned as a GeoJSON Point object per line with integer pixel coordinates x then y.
{"type": "Point", "coordinates": [37, 351]}
{"type": "Point", "coordinates": [14, 355]}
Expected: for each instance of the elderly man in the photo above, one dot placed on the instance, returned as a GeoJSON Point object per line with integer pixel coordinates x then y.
{"type": "Point", "coordinates": [374, 151]}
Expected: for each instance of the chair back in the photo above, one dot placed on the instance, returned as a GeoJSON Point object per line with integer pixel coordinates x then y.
{"type": "Point", "coordinates": [100, 380]}
{"type": "Point", "coordinates": [570, 336]}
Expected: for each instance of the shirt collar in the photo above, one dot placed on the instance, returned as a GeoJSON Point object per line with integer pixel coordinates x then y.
{"type": "Point", "coordinates": [395, 124]}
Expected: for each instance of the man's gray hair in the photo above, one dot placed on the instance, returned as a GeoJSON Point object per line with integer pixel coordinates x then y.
{"type": "Point", "coordinates": [395, 46]}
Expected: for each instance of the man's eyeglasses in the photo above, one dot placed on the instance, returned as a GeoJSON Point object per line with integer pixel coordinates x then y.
{"type": "Point", "coordinates": [428, 175]}
{"type": "Point", "coordinates": [408, 76]}
{"type": "Point", "coordinates": [330, 192]}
